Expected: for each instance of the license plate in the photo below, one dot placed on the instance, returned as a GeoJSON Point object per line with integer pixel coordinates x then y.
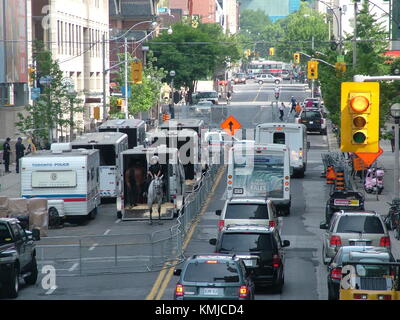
{"type": "Point", "coordinates": [349, 203]}
{"type": "Point", "coordinates": [359, 243]}
{"type": "Point", "coordinates": [210, 292]}
{"type": "Point", "coordinates": [311, 122]}
{"type": "Point", "coordinates": [249, 263]}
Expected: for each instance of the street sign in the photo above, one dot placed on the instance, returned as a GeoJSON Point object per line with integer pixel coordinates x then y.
{"type": "Point", "coordinates": [369, 157]}
{"type": "Point", "coordinates": [340, 59]}
{"type": "Point", "coordinates": [230, 125]}
{"type": "Point", "coordinates": [129, 91]}
{"type": "Point", "coordinates": [35, 93]}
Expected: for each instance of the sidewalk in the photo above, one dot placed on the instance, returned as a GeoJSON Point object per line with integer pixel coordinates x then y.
{"type": "Point", "coordinates": [372, 201]}
{"type": "Point", "coordinates": [10, 184]}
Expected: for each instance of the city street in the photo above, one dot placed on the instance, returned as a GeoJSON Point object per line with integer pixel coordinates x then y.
{"type": "Point", "coordinates": [304, 274]}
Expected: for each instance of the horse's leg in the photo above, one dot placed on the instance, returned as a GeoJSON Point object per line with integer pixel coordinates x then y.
{"type": "Point", "coordinates": [159, 211]}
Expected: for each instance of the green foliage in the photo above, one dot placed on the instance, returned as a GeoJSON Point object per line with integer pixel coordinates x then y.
{"type": "Point", "coordinates": [193, 62]}
{"type": "Point", "coordinates": [54, 102]}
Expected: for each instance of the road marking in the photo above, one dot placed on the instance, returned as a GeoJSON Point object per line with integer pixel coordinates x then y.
{"type": "Point", "coordinates": [107, 232]}
{"type": "Point", "coordinates": [74, 266]}
{"type": "Point", "coordinates": [93, 246]}
{"type": "Point", "coordinates": [118, 221]}
{"type": "Point", "coordinates": [259, 90]}
{"type": "Point", "coordinates": [163, 278]}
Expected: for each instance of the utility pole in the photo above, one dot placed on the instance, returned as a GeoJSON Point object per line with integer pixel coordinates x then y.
{"type": "Point", "coordinates": [126, 79]}
{"type": "Point", "coordinates": [104, 79]}
{"type": "Point", "coordinates": [341, 31]}
{"type": "Point", "coordinates": [355, 36]}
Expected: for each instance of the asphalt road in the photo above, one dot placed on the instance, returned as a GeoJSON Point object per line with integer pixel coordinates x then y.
{"type": "Point", "coordinates": [305, 276]}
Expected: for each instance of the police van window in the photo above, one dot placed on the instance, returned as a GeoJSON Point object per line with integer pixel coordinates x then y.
{"type": "Point", "coordinates": [16, 232]}
{"type": "Point", "coordinates": [279, 138]}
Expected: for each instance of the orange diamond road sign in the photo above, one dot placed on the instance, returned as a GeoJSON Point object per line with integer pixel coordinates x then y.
{"type": "Point", "coordinates": [230, 125]}
{"type": "Point", "coordinates": [369, 158]}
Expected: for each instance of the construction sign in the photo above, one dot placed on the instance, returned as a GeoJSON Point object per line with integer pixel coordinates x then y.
{"type": "Point", "coordinates": [230, 125]}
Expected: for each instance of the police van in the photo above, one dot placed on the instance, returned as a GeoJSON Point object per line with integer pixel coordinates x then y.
{"type": "Point", "coordinates": [63, 174]}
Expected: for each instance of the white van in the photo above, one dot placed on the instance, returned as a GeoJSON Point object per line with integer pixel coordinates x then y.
{"type": "Point", "coordinates": [63, 174]}
{"type": "Point", "coordinates": [110, 146]}
{"type": "Point", "coordinates": [292, 135]}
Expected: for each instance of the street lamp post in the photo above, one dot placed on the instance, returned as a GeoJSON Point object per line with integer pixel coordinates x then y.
{"type": "Point", "coordinates": [395, 113]}
{"type": "Point", "coordinates": [172, 74]}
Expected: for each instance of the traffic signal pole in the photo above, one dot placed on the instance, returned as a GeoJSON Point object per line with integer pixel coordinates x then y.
{"type": "Point", "coordinates": [126, 79]}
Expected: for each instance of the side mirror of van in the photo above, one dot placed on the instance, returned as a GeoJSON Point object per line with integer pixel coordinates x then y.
{"type": "Point", "coordinates": [218, 212]}
{"type": "Point", "coordinates": [213, 241]}
{"type": "Point", "coordinates": [286, 243]}
{"type": "Point", "coordinates": [323, 226]}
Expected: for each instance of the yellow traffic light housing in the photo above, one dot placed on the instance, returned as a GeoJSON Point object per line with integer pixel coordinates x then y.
{"type": "Point", "coordinates": [297, 58]}
{"type": "Point", "coordinates": [137, 72]}
{"type": "Point", "coordinates": [312, 69]}
{"type": "Point", "coordinates": [271, 51]}
{"type": "Point", "coordinates": [360, 117]}
{"type": "Point", "coordinates": [341, 67]}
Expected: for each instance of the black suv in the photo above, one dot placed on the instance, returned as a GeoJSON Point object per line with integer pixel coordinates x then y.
{"type": "Point", "coordinates": [313, 119]}
{"type": "Point", "coordinates": [261, 250]}
{"type": "Point", "coordinates": [213, 277]}
{"type": "Point", "coordinates": [17, 256]}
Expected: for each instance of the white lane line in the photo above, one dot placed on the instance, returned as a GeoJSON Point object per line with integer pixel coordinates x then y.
{"type": "Point", "coordinates": [118, 221]}
{"type": "Point", "coordinates": [74, 266]}
{"type": "Point", "coordinates": [107, 232]}
{"type": "Point", "coordinates": [93, 246]}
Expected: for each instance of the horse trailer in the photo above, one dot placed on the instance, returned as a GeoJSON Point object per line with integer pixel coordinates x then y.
{"type": "Point", "coordinates": [132, 201]}
{"type": "Point", "coordinates": [110, 146]}
{"type": "Point", "coordinates": [134, 128]}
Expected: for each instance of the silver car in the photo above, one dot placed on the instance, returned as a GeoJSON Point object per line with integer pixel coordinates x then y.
{"type": "Point", "coordinates": [353, 228]}
{"type": "Point", "coordinates": [267, 78]}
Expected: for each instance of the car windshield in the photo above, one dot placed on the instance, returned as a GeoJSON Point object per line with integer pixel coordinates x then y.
{"type": "Point", "coordinates": [360, 224]}
{"type": "Point", "coordinates": [212, 272]}
{"type": "Point", "coordinates": [246, 242]}
{"type": "Point", "coordinates": [311, 115]}
{"type": "Point", "coordinates": [247, 211]}
{"type": "Point", "coordinates": [204, 95]}
{"type": "Point", "coordinates": [5, 236]}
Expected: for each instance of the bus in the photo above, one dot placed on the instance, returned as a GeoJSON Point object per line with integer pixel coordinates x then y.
{"type": "Point", "coordinates": [272, 67]}
{"type": "Point", "coordinates": [260, 170]}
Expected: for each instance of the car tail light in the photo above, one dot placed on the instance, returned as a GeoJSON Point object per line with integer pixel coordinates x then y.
{"type": "Point", "coordinates": [335, 241]}
{"type": "Point", "coordinates": [276, 261]}
{"type": "Point", "coordinates": [179, 290]}
{"type": "Point", "coordinates": [272, 224]}
{"type": "Point", "coordinates": [385, 242]}
{"type": "Point", "coordinates": [243, 292]}
{"type": "Point", "coordinates": [384, 297]}
{"type": "Point", "coordinates": [336, 273]}
{"type": "Point", "coordinates": [322, 121]}
{"type": "Point", "coordinates": [221, 224]}
{"type": "Point", "coordinates": [359, 296]}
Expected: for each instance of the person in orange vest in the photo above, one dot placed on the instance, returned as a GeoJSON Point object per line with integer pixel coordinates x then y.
{"type": "Point", "coordinates": [298, 109]}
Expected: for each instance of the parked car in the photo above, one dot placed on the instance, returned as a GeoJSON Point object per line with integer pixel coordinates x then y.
{"type": "Point", "coordinates": [17, 256]}
{"type": "Point", "coordinates": [248, 211]}
{"type": "Point", "coordinates": [267, 78]}
{"type": "Point", "coordinates": [353, 228]}
{"type": "Point", "coordinates": [353, 254]}
{"type": "Point", "coordinates": [285, 75]}
{"type": "Point", "coordinates": [213, 277]}
{"type": "Point", "coordinates": [239, 78]}
{"type": "Point", "coordinates": [314, 119]}
{"type": "Point", "coordinates": [261, 250]}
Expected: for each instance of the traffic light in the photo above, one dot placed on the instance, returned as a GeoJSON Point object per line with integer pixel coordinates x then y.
{"type": "Point", "coordinates": [341, 67]}
{"type": "Point", "coordinates": [137, 72]}
{"type": "Point", "coordinates": [297, 58]}
{"type": "Point", "coordinates": [247, 53]}
{"type": "Point", "coordinates": [360, 117]}
{"type": "Point", "coordinates": [271, 51]}
{"type": "Point", "coordinates": [32, 75]}
{"type": "Point", "coordinates": [312, 69]}
{"type": "Point", "coordinates": [119, 102]}
{"type": "Point", "coordinates": [96, 113]}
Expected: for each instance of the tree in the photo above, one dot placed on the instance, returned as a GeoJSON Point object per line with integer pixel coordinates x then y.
{"type": "Point", "coordinates": [194, 53]}
{"type": "Point", "coordinates": [55, 102]}
{"type": "Point", "coordinates": [144, 96]}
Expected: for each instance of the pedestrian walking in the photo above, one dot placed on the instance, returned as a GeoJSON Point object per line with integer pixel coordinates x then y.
{"type": "Point", "coordinates": [281, 111]}
{"type": "Point", "coordinates": [19, 152]}
{"type": "Point", "coordinates": [392, 135]}
{"type": "Point", "coordinates": [293, 101]}
{"type": "Point", "coordinates": [6, 155]}
{"type": "Point", "coordinates": [298, 109]}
